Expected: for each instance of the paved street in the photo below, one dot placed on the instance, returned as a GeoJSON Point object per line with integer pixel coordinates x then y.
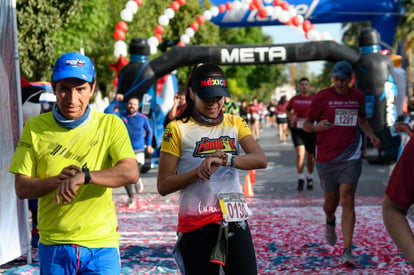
{"type": "Point", "coordinates": [287, 225]}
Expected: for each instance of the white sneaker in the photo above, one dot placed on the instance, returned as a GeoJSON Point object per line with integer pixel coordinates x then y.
{"type": "Point", "coordinates": [139, 187]}
{"type": "Point", "coordinates": [131, 203]}
{"type": "Point", "coordinates": [347, 258]}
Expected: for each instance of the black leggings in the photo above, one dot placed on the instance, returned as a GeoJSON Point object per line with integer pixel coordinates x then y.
{"type": "Point", "coordinates": [196, 248]}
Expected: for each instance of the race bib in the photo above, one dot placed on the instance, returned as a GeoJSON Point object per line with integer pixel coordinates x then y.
{"type": "Point", "coordinates": [299, 123]}
{"type": "Point", "coordinates": [234, 207]}
{"type": "Point", "coordinates": [346, 117]}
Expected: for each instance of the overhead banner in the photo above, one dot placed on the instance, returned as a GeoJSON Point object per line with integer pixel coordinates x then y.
{"type": "Point", "coordinates": [383, 14]}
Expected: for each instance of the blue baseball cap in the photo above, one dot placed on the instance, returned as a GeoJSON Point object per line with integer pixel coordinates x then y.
{"type": "Point", "coordinates": [212, 86]}
{"type": "Point", "coordinates": [342, 69]}
{"type": "Point", "coordinates": [73, 65]}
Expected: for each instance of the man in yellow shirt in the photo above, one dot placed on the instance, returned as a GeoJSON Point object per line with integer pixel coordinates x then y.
{"type": "Point", "coordinates": [70, 159]}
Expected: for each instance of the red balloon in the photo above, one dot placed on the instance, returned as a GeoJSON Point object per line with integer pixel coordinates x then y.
{"type": "Point", "coordinates": [306, 25]}
{"type": "Point", "coordinates": [284, 6]}
{"type": "Point", "coordinates": [194, 26]}
{"type": "Point", "coordinates": [181, 44]}
{"type": "Point", "coordinates": [159, 29]}
{"type": "Point", "coordinates": [158, 36]}
{"type": "Point", "coordinates": [222, 8]}
{"type": "Point", "coordinates": [201, 19]}
{"type": "Point", "coordinates": [262, 13]}
{"type": "Point", "coordinates": [258, 4]}
{"type": "Point", "coordinates": [119, 35]}
{"type": "Point", "coordinates": [295, 21]}
{"type": "Point", "coordinates": [139, 2]}
{"type": "Point", "coordinates": [229, 5]}
{"type": "Point", "coordinates": [277, 3]}
{"type": "Point", "coordinates": [181, 2]}
{"type": "Point", "coordinates": [252, 6]}
{"type": "Point", "coordinates": [175, 5]}
{"type": "Point", "coordinates": [121, 25]}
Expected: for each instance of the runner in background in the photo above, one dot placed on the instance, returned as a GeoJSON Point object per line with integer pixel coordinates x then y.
{"type": "Point", "coordinates": [254, 111]}
{"type": "Point", "coordinates": [303, 141]}
{"type": "Point", "coordinates": [337, 116]}
{"type": "Point", "coordinates": [282, 119]}
{"type": "Point", "coordinates": [230, 107]}
{"type": "Point", "coordinates": [271, 108]}
{"type": "Point", "coordinates": [140, 134]}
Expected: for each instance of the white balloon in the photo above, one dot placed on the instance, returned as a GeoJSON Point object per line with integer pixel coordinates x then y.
{"type": "Point", "coordinates": [269, 10]}
{"type": "Point", "coordinates": [246, 1]}
{"type": "Point", "coordinates": [120, 44]}
{"type": "Point", "coordinates": [163, 20]}
{"type": "Point", "coordinates": [120, 48]}
{"type": "Point", "coordinates": [170, 13]}
{"type": "Point", "coordinates": [190, 32]}
{"type": "Point", "coordinates": [126, 15]}
{"type": "Point", "coordinates": [214, 11]}
{"type": "Point", "coordinates": [314, 35]}
{"type": "Point", "coordinates": [185, 39]}
{"type": "Point", "coordinates": [292, 11]}
{"type": "Point", "coordinates": [277, 11]}
{"type": "Point", "coordinates": [300, 18]}
{"type": "Point", "coordinates": [153, 50]}
{"type": "Point", "coordinates": [236, 5]}
{"type": "Point", "coordinates": [153, 41]}
{"type": "Point", "coordinates": [132, 6]}
{"type": "Point", "coordinates": [284, 17]}
{"type": "Point", "coordinates": [326, 36]}
{"type": "Point", "coordinates": [207, 15]}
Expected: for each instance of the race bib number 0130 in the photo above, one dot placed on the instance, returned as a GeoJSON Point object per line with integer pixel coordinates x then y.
{"type": "Point", "coordinates": [234, 207]}
{"type": "Point", "coordinates": [346, 117]}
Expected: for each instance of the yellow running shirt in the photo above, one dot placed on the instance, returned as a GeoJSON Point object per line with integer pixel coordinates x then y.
{"type": "Point", "coordinates": [45, 149]}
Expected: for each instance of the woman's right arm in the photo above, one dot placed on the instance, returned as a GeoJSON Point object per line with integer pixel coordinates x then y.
{"type": "Point", "coordinates": [167, 180]}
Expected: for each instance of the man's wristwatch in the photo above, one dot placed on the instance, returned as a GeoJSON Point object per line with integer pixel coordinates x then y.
{"type": "Point", "coordinates": [87, 175]}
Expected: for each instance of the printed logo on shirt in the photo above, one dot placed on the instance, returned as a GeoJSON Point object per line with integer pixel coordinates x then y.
{"type": "Point", "coordinates": [245, 125]}
{"type": "Point", "coordinates": [167, 135]}
{"type": "Point", "coordinates": [208, 146]}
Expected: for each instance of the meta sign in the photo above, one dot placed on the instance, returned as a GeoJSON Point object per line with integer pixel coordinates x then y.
{"type": "Point", "coordinates": [383, 14]}
{"type": "Point", "coordinates": [252, 55]}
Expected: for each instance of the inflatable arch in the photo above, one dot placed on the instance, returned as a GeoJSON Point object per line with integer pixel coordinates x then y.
{"type": "Point", "coordinates": [373, 74]}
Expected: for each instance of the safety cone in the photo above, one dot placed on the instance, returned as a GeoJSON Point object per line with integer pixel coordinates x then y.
{"type": "Point", "coordinates": [248, 190]}
{"type": "Point", "coordinates": [252, 175]}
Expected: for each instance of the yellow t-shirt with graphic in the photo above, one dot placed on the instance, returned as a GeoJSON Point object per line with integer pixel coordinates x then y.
{"type": "Point", "coordinates": [191, 142]}
{"type": "Point", "coordinates": [45, 149]}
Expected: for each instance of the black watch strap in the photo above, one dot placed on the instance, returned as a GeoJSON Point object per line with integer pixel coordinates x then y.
{"type": "Point", "coordinates": [87, 175]}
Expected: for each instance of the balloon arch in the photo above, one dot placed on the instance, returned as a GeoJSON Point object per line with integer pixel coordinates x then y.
{"type": "Point", "coordinates": [373, 70]}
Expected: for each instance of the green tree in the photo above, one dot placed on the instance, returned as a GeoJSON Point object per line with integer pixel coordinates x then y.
{"type": "Point", "coordinates": [37, 20]}
{"type": "Point", "coordinates": [48, 28]}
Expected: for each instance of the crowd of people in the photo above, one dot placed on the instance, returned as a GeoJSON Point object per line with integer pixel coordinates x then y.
{"type": "Point", "coordinates": [72, 157]}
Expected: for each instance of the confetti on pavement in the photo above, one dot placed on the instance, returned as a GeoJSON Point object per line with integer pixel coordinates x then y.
{"type": "Point", "coordinates": [287, 234]}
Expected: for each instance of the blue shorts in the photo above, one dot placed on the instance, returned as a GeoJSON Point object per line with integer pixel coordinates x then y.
{"type": "Point", "coordinates": [74, 259]}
